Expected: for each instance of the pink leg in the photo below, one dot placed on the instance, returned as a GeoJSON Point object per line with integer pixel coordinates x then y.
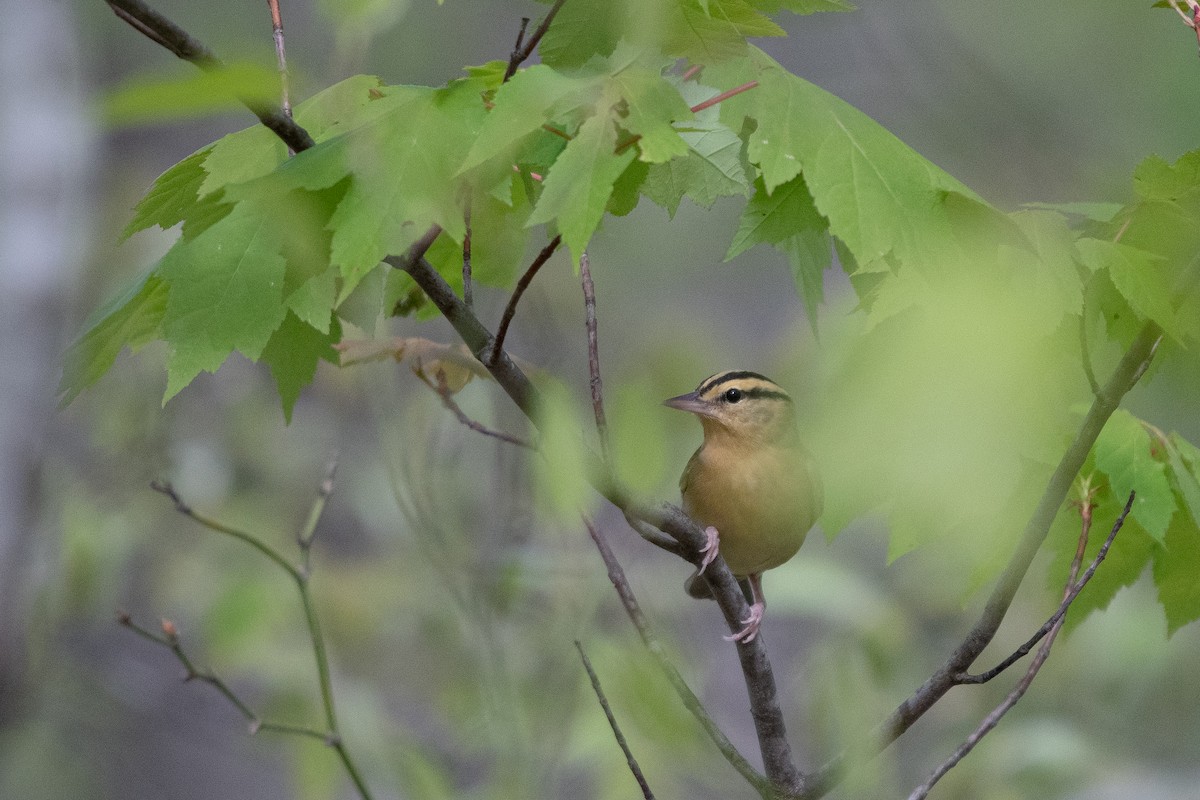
{"type": "Point", "coordinates": [710, 549]}
{"type": "Point", "coordinates": [757, 609]}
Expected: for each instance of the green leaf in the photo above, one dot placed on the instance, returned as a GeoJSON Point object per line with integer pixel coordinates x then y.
{"type": "Point", "coordinates": [1175, 576]}
{"type": "Point", "coordinates": [1155, 179]}
{"type": "Point", "coordinates": [1123, 452]}
{"type": "Point", "coordinates": [173, 195]}
{"type": "Point", "coordinates": [802, 6]}
{"type": "Point", "coordinates": [652, 104]}
{"type": "Point", "coordinates": [131, 319]}
{"type": "Point", "coordinates": [194, 94]}
{"type": "Point", "coordinates": [877, 193]}
{"type": "Point", "coordinates": [579, 184]}
{"type": "Point", "coordinates": [772, 217]}
{"type": "Point", "coordinates": [583, 30]}
{"type": "Point", "coordinates": [1139, 276]}
{"type": "Point", "coordinates": [1098, 212]}
{"type": "Point", "coordinates": [292, 354]}
{"type": "Point", "coordinates": [810, 253]}
{"type": "Point", "coordinates": [226, 294]}
{"type": "Point", "coordinates": [1185, 479]}
{"type": "Point", "coordinates": [716, 34]}
{"type": "Point", "coordinates": [712, 168]}
{"type": "Point", "coordinates": [523, 105]}
{"type": "Point", "coordinates": [499, 239]}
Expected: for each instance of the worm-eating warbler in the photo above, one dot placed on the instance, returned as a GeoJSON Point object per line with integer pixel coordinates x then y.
{"type": "Point", "coordinates": [751, 483]}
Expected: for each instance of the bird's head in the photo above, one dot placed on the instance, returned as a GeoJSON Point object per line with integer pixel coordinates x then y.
{"type": "Point", "coordinates": [743, 405]}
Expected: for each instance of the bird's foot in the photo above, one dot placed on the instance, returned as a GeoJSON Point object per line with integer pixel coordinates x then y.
{"type": "Point", "coordinates": [750, 624]}
{"type": "Point", "coordinates": [712, 546]}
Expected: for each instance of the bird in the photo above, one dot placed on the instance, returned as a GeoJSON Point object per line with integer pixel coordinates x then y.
{"type": "Point", "coordinates": [751, 483]}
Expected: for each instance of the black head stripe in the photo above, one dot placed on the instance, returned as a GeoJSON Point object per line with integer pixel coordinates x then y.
{"type": "Point", "coordinates": [759, 391]}
{"type": "Point", "coordinates": [725, 377]}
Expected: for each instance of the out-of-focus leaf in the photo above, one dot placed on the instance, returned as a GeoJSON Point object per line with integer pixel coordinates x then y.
{"type": "Point", "coordinates": [194, 94]}
{"type": "Point", "coordinates": [1123, 452]}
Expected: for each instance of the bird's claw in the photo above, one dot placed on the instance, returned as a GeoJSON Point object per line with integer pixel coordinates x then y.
{"type": "Point", "coordinates": [712, 546]}
{"type": "Point", "coordinates": [750, 625]}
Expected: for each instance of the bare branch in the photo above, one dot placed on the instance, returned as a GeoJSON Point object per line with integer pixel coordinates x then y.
{"type": "Point", "coordinates": [300, 576]}
{"type": "Point", "coordinates": [595, 383]}
{"type": "Point", "coordinates": [612, 722]}
{"type": "Point", "coordinates": [510, 310]}
{"type": "Point", "coordinates": [690, 701]}
{"type": "Point", "coordinates": [162, 31]}
{"type": "Point", "coordinates": [306, 535]}
{"type": "Point", "coordinates": [1073, 591]}
{"type": "Point", "coordinates": [1070, 591]}
{"type": "Point", "coordinates": [285, 100]}
{"type": "Point", "coordinates": [468, 288]}
{"type": "Point", "coordinates": [442, 388]}
{"type": "Point", "coordinates": [522, 52]}
{"type": "Point", "coordinates": [170, 640]}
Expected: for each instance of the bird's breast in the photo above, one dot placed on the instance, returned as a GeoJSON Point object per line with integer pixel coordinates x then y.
{"type": "Point", "coordinates": [761, 503]}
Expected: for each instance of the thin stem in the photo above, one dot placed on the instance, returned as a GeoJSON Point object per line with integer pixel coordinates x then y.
{"type": "Point", "coordinates": [285, 100]}
{"type": "Point", "coordinates": [514, 58]}
{"type": "Point", "coordinates": [468, 288]}
{"type": "Point", "coordinates": [595, 382]}
{"type": "Point", "coordinates": [691, 72]}
{"type": "Point", "coordinates": [170, 640]}
{"type": "Point", "coordinates": [306, 535]}
{"type": "Point", "coordinates": [1070, 591]}
{"type": "Point", "coordinates": [259, 545]}
{"type": "Point", "coordinates": [1073, 590]}
{"type": "Point", "coordinates": [523, 52]}
{"type": "Point", "coordinates": [162, 31]}
{"type": "Point", "coordinates": [612, 722]}
{"type": "Point", "coordinates": [723, 96]}
{"type": "Point", "coordinates": [690, 701]}
{"type": "Point", "coordinates": [442, 388]}
{"type": "Point", "coordinates": [510, 310]}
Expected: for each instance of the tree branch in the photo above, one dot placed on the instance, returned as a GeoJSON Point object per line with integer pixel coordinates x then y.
{"type": "Point", "coordinates": [510, 310]}
{"type": "Point", "coordinates": [1070, 591]}
{"type": "Point", "coordinates": [170, 640]}
{"type": "Point", "coordinates": [300, 576]}
{"type": "Point", "coordinates": [616, 575]}
{"type": "Point", "coordinates": [162, 31]}
{"type": "Point", "coordinates": [1126, 374]}
{"type": "Point", "coordinates": [612, 722]}
{"type": "Point", "coordinates": [522, 52]}
{"type": "Point", "coordinates": [595, 383]}
{"type": "Point", "coordinates": [442, 388]}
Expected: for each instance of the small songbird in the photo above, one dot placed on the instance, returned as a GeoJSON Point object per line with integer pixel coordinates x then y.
{"type": "Point", "coordinates": [751, 482]}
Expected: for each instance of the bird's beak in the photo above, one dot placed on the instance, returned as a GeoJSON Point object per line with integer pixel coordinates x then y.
{"type": "Point", "coordinates": [690, 402]}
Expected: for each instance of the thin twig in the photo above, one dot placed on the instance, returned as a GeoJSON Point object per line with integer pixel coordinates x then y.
{"type": "Point", "coordinates": [1070, 591]}
{"type": "Point", "coordinates": [170, 640]}
{"type": "Point", "coordinates": [162, 31]}
{"type": "Point", "coordinates": [595, 382]}
{"type": "Point", "coordinates": [612, 722]}
{"type": "Point", "coordinates": [523, 52]}
{"type": "Point", "coordinates": [691, 72]}
{"type": "Point", "coordinates": [306, 535]}
{"type": "Point", "coordinates": [267, 550]}
{"type": "Point", "coordinates": [442, 388]}
{"type": "Point", "coordinates": [285, 100]}
{"type": "Point", "coordinates": [723, 96]}
{"type": "Point", "coordinates": [468, 288]}
{"type": "Point", "coordinates": [300, 576]}
{"type": "Point", "coordinates": [510, 310]}
{"type": "Point", "coordinates": [1073, 590]}
{"type": "Point", "coordinates": [690, 701]}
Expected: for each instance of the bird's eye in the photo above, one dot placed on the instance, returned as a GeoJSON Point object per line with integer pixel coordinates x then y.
{"type": "Point", "coordinates": [732, 395]}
